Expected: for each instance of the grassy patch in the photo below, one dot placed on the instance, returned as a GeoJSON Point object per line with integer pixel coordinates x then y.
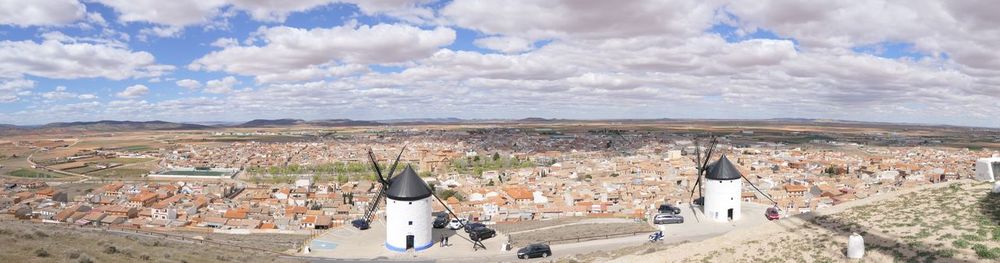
{"type": "Point", "coordinates": [29, 173]}
{"type": "Point", "coordinates": [126, 160]}
{"type": "Point", "coordinates": [122, 173]}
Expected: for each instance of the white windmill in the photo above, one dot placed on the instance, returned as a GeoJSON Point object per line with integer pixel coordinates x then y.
{"type": "Point", "coordinates": [407, 208]}
{"type": "Point", "coordinates": [721, 198]}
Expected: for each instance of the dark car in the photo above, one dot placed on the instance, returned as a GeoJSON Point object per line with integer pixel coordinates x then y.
{"type": "Point", "coordinates": [440, 222]}
{"type": "Point", "coordinates": [360, 224]}
{"type": "Point", "coordinates": [665, 208]}
{"type": "Point", "coordinates": [481, 233]}
{"type": "Point", "coordinates": [534, 251]}
{"type": "Point", "coordinates": [470, 226]}
{"type": "Point", "coordinates": [668, 218]}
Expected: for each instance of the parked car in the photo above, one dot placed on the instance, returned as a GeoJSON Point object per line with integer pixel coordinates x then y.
{"type": "Point", "coordinates": [360, 224]}
{"type": "Point", "coordinates": [666, 208]}
{"type": "Point", "coordinates": [772, 213]}
{"type": "Point", "coordinates": [456, 224]}
{"type": "Point", "coordinates": [470, 226]}
{"type": "Point", "coordinates": [668, 218]}
{"type": "Point", "coordinates": [440, 222]}
{"type": "Point", "coordinates": [534, 251]}
{"type": "Point", "coordinates": [481, 233]}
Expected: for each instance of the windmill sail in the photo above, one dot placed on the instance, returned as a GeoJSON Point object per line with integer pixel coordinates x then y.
{"type": "Point", "coordinates": [384, 183]}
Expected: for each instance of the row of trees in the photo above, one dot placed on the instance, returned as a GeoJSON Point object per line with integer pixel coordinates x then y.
{"type": "Point", "coordinates": [477, 165]}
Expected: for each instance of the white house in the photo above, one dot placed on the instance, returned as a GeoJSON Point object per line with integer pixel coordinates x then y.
{"type": "Point", "coordinates": [539, 198]}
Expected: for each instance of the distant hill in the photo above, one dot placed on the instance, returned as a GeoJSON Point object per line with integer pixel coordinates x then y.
{"type": "Point", "coordinates": [98, 126]}
{"type": "Point", "coordinates": [342, 122]}
{"type": "Point", "coordinates": [120, 126]}
{"type": "Point", "coordinates": [423, 120]}
{"type": "Point", "coordinates": [271, 123]}
{"type": "Point", "coordinates": [260, 123]}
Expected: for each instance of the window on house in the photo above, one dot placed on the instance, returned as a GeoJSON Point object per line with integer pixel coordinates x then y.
{"type": "Point", "coordinates": [411, 223]}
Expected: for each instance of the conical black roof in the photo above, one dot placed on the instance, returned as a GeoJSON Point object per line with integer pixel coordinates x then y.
{"type": "Point", "coordinates": [723, 169]}
{"type": "Point", "coordinates": [407, 186]}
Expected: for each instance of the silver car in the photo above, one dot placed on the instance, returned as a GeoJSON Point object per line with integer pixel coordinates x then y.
{"type": "Point", "coordinates": [667, 218]}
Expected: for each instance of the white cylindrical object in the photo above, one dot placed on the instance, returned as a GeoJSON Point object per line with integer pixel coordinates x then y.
{"type": "Point", "coordinates": [855, 246]}
{"type": "Point", "coordinates": [408, 218]}
{"type": "Point", "coordinates": [996, 187]}
{"type": "Point", "coordinates": [722, 199]}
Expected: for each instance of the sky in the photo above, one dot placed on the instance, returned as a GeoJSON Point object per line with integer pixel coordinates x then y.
{"type": "Point", "coordinates": [931, 62]}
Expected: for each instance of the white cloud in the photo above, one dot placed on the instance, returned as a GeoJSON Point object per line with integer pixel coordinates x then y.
{"type": "Point", "coordinates": [11, 90]}
{"type": "Point", "coordinates": [188, 84]}
{"type": "Point", "coordinates": [61, 93]}
{"type": "Point", "coordinates": [966, 30]}
{"type": "Point", "coordinates": [177, 13]}
{"type": "Point", "coordinates": [288, 49]}
{"type": "Point", "coordinates": [180, 13]}
{"type": "Point", "coordinates": [160, 31]}
{"type": "Point", "coordinates": [276, 10]}
{"type": "Point", "coordinates": [536, 20]}
{"type": "Point", "coordinates": [505, 44]}
{"type": "Point", "coordinates": [40, 13]}
{"type": "Point", "coordinates": [221, 86]}
{"type": "Point", "coordinates": [134, 91]}
{"type": "Point", "coordinates": [574, 59]}
{"type": "Point", "coordinates": [55, 59]}
{"type": "Point", "coordinates": [313, 73]}
{"type": "Point", "coordinates": [225, 42]}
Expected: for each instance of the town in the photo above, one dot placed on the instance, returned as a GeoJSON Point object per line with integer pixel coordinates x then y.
{"type": "Point", "coordinates": [309, 181]}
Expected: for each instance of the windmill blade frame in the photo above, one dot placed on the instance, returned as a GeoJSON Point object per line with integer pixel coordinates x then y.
{"type": "Point", "coordinates": [392, 169]}
{"type": "Point", "coordinates": [378, 170]}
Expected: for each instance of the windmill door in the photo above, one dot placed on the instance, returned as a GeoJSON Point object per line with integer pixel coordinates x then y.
{"type": "Point", "coordinates": [729, 213]}
{"type": "Point", "coordinates": [409, 242]}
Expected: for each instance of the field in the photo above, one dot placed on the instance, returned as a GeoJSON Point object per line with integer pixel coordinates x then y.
{"type": "Point", "coordinates": [194, 173]}
{"type": "Point", "coordinates": [121, 173]}
{"type": "Point", "coordinates": [32, 173]}
{"type": "Point", "coordinates": [125, 160]}
{"type": "Point", "coordinates": [34, 243]}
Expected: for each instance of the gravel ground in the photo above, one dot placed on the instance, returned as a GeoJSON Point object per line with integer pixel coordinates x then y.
{"type": "Point", "coordinates": [576, 231]}
{"type": "Point", "coordinates": [529, 225]}
{"type": "Point", "coordinates": [272, 242]}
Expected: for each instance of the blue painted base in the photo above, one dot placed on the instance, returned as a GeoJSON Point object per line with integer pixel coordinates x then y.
{"type": "Point", "coordinates": [403, 250]}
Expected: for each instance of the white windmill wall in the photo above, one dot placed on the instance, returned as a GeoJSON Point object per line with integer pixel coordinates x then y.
{"type": "Point", "coordinates": [720, 196]}
{"type": "Point", "coordinates": [404, 218]}
{"type": "Point", "coordinates": [987, 169]}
